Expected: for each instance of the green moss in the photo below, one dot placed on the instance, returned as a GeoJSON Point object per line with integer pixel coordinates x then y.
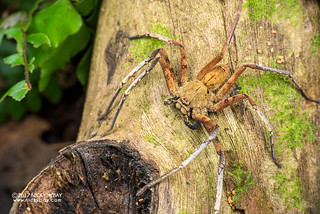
{"type": "Point", "coordinates": [274, 64]}
{"type": "Point", "coordinates": [289, 189]}
{"type": "Point", "coordinates": [242, 179]}
{"type": "Point", "coordinates": [315, 46]}
{"type": "Point", "coordinates": [127, 64]}
{"type": "Point", "coordinates": [274, 10]}
{"type": "Point", "coordinates": [143, 47]}
{"type": "Point", "coordinates": [259, 9]}
{"type": "Point", "coordinates": [293, 126]}
{"type": "Point", "coordinates": [122, 90]}
{"type": "Point", "coordinates": [150, 138]}
{"type": "Point", "coordinates": [210, 190]}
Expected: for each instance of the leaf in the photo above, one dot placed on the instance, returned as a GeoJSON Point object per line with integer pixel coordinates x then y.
{"type": "Point", "coordinates": [34, 101]}
{"type": "Point", "coordinates": [14, 33]}
{"type": "Point", "coordinates": [92, 20]}
{"type": "Point", "coordinates": [17, 92]}
{"type": "Point", "coordinates": [33, 7]}
{"type": "Point", "coordinates": [44, 79]}
{"type": "Point", "coordinates": [57, 21]}
{"type": "Point", "coordinates": [59, 56]}
{"type": "Point", "coordinates": [10, 108]}
{"type": "Point", "coordinates": [16, 110]}
{"type": "Point", "coordinates": [1, 37]}
{"type": "Point", "coordinates": [38, 39]}
{"type": "Point", "coordinates": [84, 66]}
{"type": "Point", "coordinates": [85, 7]}
{"type": "Point", "coordinates": [31, 65]}
{"type": "Point", "coordinates": [14, 59]}
{"type": "Point", "coordinates": [53, 92]}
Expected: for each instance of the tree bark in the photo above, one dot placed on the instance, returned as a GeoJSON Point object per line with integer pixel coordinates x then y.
{"type": "Point", "coordinates": [158, 132]}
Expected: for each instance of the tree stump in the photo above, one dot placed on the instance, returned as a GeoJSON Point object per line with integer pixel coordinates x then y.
{"type": "Point", "coordinates": [90, 177]}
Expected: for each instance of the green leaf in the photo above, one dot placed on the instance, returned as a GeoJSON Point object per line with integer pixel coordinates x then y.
{"type": "Point", "coordinates": [31, 65]}
{"type": "Point", "coordinates": [53, 92]}
{"type": "Point", "coordinates": [15, 110]}
{"type": "Point", "coordinates": [11, 75]}
{"type": "Point", "coordinates": [44, 79]}
{"type": "Point", "coordinates": [17, 92]}
{"type": "Point", "coordinates": [1, 37]}
{"type": "Point", "coordinates": [84, 66]}
{"type": "Point", "coordinates": [33, 6]}
{"type": "Point", "coordinates": [57, 21]}
{"type": "Point", "coordinates": [14, 33]}
{"type": "Point", "coordinates": [93, 18]}
{"type": "Point", "coordinates": [38, 39]}
{"type": "Point", "coordinates": [85, 7]}
{"type": "Point", "coordinates": [33, 101]}
{"type": "Point", "coordinates": [57, 57]}
{"type": "Point", "coordinates": [14, 59]}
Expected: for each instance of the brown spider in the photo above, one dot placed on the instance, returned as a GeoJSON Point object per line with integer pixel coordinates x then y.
{"type": "Point", "coordinates": [195, 99]}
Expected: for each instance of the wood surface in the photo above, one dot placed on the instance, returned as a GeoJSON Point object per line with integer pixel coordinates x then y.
{"type": "Point", "coordinates": [202, 26]}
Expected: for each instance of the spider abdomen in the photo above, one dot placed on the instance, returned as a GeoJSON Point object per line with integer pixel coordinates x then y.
{"type": "Point", "coordinates": [216, 77]}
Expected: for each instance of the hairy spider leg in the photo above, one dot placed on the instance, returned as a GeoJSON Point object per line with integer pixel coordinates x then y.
{"type": "Point", "coordinates": [234, 99]}
{"type": "Point", "coordinates": [222, 163]}
{"type": "Point", "coordinates": [127, 92]}
{"type": "Point", "coordinates": [228, 85]}
{"type": "Point", "coordinates": [184, 163]}
{"type": "Point", "coordinates": [230, 101]}
{"type": "Point", "coordinates": [151, 56]}
{"type": "Point", "coordinates": [193, 125]}
{"type": "Point", "coordinates": [183, 53]}
{"type": "Point", "coordinates": [186, 120]}
{"type": "Point", "coordinates": [169, 76]}
{"type": "Point", "coordinates": [167, 71]}
{"type": "Point", "coordinates": [220, 55]}
{"type": "Point", "coordinates": [211, 126]}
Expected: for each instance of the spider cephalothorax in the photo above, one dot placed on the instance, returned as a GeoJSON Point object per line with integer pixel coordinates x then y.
{"type": "Point", "coordinates": [195, 99]}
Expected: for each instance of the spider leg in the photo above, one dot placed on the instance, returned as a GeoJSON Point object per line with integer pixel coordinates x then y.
{"type": "Point", "coordinates": [211, 137]}
{"type": "Point", "coordinates": [183, 53]}
{"type": "Point", "coordinates": [171, 81]}
{"type": "Point", "coordinates": [210, 126]}
{"type": "Point", "coordinates": [192, 126]}
{"type": "Point", "coordinates": [125, 80]}
{"type": "Point", "coordinates": [186, 120]}
{"type": "Point", "coordinates": [225, 88]}
{"type": "Point", "coordinates": [234, 99]}
{"type": "Point", "coordinates": [168, 74]}
{"type": "Point", "coordinates": [220, 55]}
{"type": "Point", "coordinates": [127, 92]}
{"type": "Point", "coordinates": [170, 101]}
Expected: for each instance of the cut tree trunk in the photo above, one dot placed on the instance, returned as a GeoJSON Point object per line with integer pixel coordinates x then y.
{"type": "Point", "coordinates": [150, 138]}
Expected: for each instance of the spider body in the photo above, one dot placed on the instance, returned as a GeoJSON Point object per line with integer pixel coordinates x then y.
{"type": "Point", "coordinates": [197, 98]}
{"type": "Point", "coordinates": [192, 97]}
{"type": "Point", "coordinates": [216, 77]}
